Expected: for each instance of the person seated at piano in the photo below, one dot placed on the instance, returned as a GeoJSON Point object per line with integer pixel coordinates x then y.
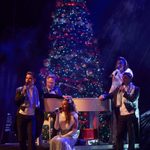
{"type": "Point", "coordinates": [51, 87]}
{"type": "Point", "coordinates": [67, 124]}
{"type": "Point", "coordinates": [51, 90]}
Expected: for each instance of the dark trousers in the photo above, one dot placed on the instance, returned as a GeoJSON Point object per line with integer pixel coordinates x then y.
{"type": "Point", "coordinates": [26, 131]}
{"type": "Point", "coordinates": [115, 116]}
{"type": "Point", "coordinates": [126, 126]}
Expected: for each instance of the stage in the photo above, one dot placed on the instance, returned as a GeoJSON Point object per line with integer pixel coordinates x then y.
{"type": "Point", "coordinates": [15, 146]}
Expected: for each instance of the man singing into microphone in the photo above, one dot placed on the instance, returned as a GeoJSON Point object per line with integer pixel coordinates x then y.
{"type": "Point", "coordinates": [127, 102]}
{"type": "Point", "coordinates": [27, 99]}
{"type": "Point", "coordinates": [127, 95]}
{"type": "Point", "coordinates": [116, 75]}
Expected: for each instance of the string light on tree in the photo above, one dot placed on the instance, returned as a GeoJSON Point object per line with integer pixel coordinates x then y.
{"type": "Point", "coordinates": [73, 53]}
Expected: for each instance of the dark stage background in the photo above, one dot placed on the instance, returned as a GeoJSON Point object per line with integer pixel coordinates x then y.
{"type": "Point", "coordinates": [121, 27]}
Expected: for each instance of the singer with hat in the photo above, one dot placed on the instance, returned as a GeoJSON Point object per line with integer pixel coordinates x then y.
{"type": "Point", "coordinates": [116, 76]}
{"type": "Point", "coordinates": [127, 97]}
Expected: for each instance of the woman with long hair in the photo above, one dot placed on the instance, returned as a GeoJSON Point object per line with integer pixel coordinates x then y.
{"type": "Point", "coordinates": [67, 124]}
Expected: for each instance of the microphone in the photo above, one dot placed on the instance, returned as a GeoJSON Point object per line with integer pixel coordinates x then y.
{"type": "Point", "coordinates": [58, 109]}
{"type": "Point", "coordinates": [122, 88]}
{"type": "Point", "coordinates": [25, 87]}
{"type": "Point", "coordinates": [116, 72]}
{"type": "Point", "coordinates": [122, 84]}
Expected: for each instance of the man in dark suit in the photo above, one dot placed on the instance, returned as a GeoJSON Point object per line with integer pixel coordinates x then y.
{"type": "Point", "coordinates": [27, 100]}
{"type": "Point", "coordinates": [51, 90]}
{"type": "Point", "coordinates": [127, 97]}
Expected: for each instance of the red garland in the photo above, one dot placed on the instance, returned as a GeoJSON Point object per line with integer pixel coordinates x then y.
{"type": "Point", "coordinates": [61, 4]}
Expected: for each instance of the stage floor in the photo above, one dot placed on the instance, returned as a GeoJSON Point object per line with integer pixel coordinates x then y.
{"type": "Point", "coordinates": [15, 146]}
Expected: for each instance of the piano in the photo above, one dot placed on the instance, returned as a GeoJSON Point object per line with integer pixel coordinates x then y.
{"type": "Point", "coordinates": [82, 104]}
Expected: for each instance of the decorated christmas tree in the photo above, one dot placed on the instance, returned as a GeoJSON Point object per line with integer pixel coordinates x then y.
{"type": "Point", "coordinates": [73, 53]}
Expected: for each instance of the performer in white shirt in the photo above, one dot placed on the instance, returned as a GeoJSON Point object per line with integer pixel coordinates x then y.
{"type": "Point", "coordinates": [120, 68]}
{"type": "Point", "coordinates": [27, 100]}
{"type": "Point", "coordinates": [67, 124]}
{"type": "Point", "coordinates": [127, 97]}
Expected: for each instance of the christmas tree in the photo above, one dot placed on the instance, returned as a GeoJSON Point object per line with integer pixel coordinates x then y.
{"type": "Point", "coordinates": [73, 53]}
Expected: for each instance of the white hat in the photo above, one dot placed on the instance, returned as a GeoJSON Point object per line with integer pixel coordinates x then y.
{"type": "Point", "coordinates": [129, 72]}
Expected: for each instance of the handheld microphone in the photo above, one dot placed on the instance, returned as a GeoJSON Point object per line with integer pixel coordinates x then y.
{"type": "Point", "coordinates": [116, 72]}
{"type": "Point", "coordinates": [25, 87]}
{"type": "Point", "coordinates": [58, 109]}
{"type": "Point", "coordinates": [26, 83]}
{"type": "Point", "coordinates": [122, 88]}
{"type": "Point", "coordinates": [122, 84]}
